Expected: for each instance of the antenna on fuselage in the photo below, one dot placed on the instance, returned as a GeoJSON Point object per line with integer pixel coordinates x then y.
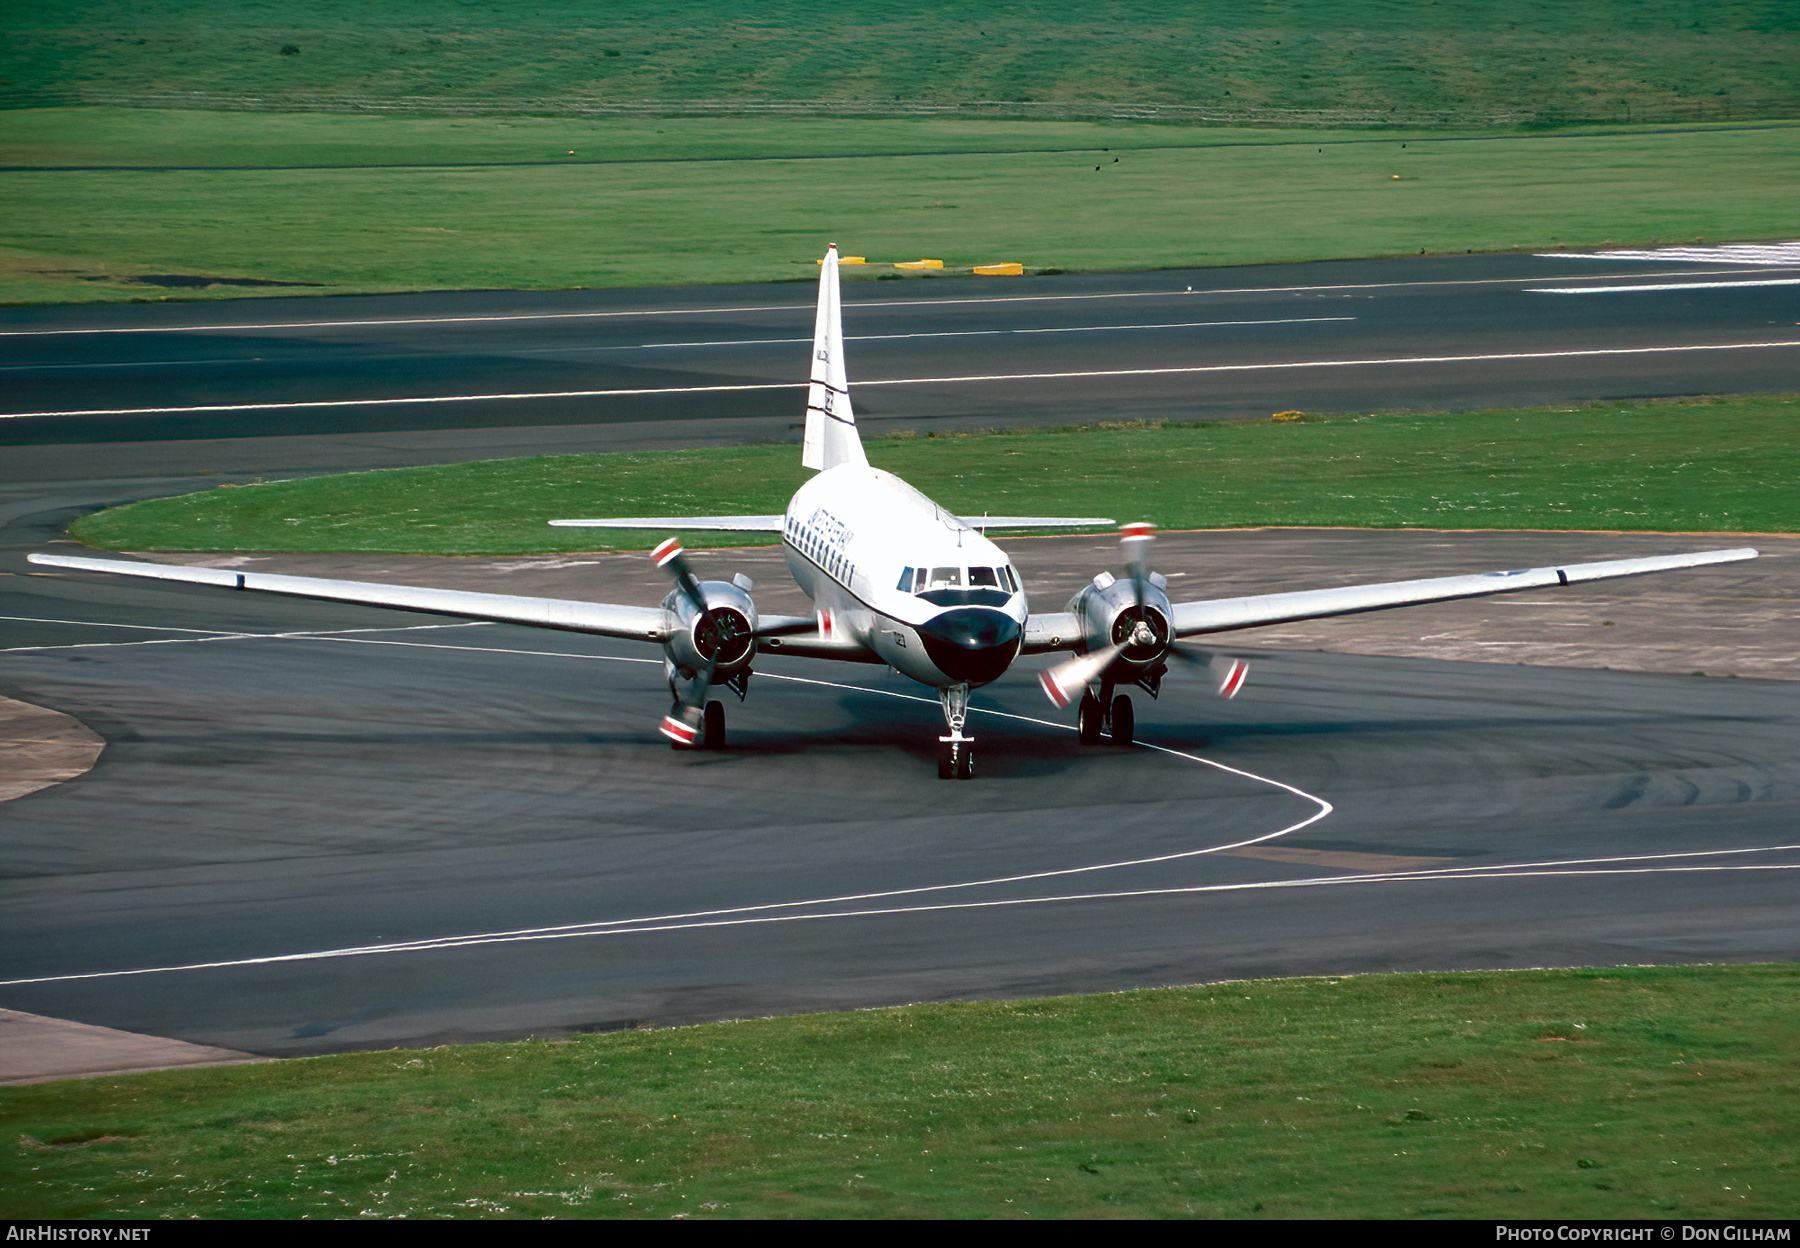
{"type": "Point", "coordinates": [831, 437]}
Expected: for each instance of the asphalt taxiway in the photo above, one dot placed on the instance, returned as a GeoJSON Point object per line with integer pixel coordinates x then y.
{"type": "Point", "coordinates": [318, 827]}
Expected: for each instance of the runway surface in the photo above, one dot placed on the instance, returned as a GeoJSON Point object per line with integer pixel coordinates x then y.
{"type": "Point", "coordinates": [318, 827]}
{"type": "Point", "coordinates": [1435, 332]}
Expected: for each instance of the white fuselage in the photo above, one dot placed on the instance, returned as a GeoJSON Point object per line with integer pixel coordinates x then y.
{"type": "Point", "coordinates": [887, 567]}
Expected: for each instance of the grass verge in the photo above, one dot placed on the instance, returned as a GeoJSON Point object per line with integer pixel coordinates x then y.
{"type": "Point", "coordinates": [752, 200]}
{"type": "Point", "coordinates": [1600, 55]}
{"type": "Point", "coordinates": [1663, 1092]}
{"type": "Point", "coordinates": [1711, 465]}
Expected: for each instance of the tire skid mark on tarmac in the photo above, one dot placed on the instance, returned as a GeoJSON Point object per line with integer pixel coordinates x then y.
{"type": "Point", "coordinates": [814, 909]}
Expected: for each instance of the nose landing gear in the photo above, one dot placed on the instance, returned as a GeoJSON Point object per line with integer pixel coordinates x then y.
{"type": "Point", "coordinates": [956, 752]}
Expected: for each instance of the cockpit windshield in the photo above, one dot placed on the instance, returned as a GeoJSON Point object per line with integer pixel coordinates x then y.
{"type": "Point", "coordinates": [939, 585]}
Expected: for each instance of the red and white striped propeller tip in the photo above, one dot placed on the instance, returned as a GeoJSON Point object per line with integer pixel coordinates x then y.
{"type": "Point", "coordinates": [1138, 528]}
{"type": "Point", "coordinates": [666, 551]}
{"type": "Point", "coordinates": [1234, 679]}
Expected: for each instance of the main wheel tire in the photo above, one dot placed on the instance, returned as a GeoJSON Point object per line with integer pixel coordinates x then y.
{"type": "Point", "coordinates": [965, 763]}
{"type": "Point", "coordinates": [713, 729]}
{"type": "Point", "coordinates": [1088, 719]}
{"type": "Point", "coordinates": [944, 761]}
{"type": "Point", "coordinates": [1123, 720]}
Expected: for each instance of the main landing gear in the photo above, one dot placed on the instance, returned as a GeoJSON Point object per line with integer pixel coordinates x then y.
{"type": "Point", "coordinates": [685, 734]}
{"type": "Point", "coordinates": [1095, 716]}
{"type": "Point", "coordinates": [956, 752]}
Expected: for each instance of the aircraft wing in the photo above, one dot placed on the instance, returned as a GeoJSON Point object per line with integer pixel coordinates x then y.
{"type": "Point", "coordinates": [1225, 614]}
{"type": "Point", "coordinates": [811, 644]}
{"type": "Point", "coordinates": [734, 524]}
{"type": "Point", "coordinates": [1053, 630]}
{"type": "Point", "coordinates": [605, 619]}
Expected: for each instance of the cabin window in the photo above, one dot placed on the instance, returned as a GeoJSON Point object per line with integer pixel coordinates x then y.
{"type": "Point", "coordinates": [1012, 578]}
{"type": "Point", "coordinates": [984, 577]}
{"type": "Point", "coordinates": [906, 579]}
{"type": "Point", "coordinates": [944, 578]}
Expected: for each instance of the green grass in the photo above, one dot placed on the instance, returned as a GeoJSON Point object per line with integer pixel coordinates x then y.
{"type": "Point", "coordinates": [1381, 54]}
{"type": "Point", "coordinates": [1715, 465]}
{"type": "Point", "coordinates": [1619, 1093]}
{"type": "Point", "coordinates": [81, 235]}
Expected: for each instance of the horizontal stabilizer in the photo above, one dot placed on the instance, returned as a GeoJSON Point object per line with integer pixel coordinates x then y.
{"type": "Point", "coordinates": [734, 524]}
{"type": "Point", "coordinates": [1225, 614]}
{"type": "Point", "coordinates": [1036, 522]}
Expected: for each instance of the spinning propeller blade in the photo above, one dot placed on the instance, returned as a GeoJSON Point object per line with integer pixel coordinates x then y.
{"type": "Point", "coordinates": [1062, 682]}
{"type": "Point", "coordinates": [1065, 680]}
{"type": "Point", "coordinates": [670, 556]}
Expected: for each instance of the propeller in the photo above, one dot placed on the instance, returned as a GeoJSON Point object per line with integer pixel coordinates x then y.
{"type": "Point", "coordinates": [723, 629]}
{"type": "Point", "coordinates": [1064, 681]}
{"type": "Point", "coordinates": [715, 631]}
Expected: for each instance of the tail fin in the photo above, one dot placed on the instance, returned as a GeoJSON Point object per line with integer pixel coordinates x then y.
{"type": "Point", "coordinates": [831, 437]}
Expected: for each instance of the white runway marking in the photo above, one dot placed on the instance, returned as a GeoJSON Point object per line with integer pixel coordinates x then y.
{"type": "Point", "coordinates": [1608, 290]}
{"type": "Point", "coordinates": [666, 346]}
{"type": "Point", "coordinates": [872, 306]}
{"type": "Point", "coordinates": [817, 909]}
{"type": "Point", "coordinates": [746, 387]}
{"type": "Point", "coordinates": [1775, 255]}
{"type": "Point", "coordinates": [960, 333]}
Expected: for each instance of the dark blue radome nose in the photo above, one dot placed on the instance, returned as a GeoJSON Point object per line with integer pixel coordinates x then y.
{"type": "Point", "coordinates": [975, 644]}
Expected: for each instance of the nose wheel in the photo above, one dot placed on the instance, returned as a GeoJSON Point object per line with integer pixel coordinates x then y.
{"type": "Point", "coordinates": [956, 752]}
{"type": "Point", "coordinates": [956, 758]}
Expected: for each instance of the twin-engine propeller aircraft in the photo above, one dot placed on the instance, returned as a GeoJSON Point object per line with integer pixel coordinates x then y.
{"type": "Point", "coordinates": [896, 579]}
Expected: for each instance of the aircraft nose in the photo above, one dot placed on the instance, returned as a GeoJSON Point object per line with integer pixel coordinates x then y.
{"type": "Point", "coordinates": [975, 644]}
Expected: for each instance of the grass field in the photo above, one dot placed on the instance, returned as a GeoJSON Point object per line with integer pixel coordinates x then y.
{"type": "Point", "coordinates": [1716, 465]}
{"type": "Point", "coordinates": [1628, 1093]}
{"type": "Point", "coordinates": [1379, 54]}
{"type": "Point", "coordinates": [70, 235]}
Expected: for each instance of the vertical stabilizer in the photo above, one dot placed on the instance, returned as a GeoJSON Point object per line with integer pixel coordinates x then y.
{"type": "Point", "coordinates": [831, 437]}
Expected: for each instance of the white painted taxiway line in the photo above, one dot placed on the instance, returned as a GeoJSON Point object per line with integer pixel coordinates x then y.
{"type": "Point", "coordinates": [735, 915]}
{"type": "Point", "coordinates": [646, 927]}
{"type": "Point", "coordinates": [854, 307]}
{"type": "Point", "coordinates": [810, 910]}
{"type": "Point", "coordinates": [746, 387]}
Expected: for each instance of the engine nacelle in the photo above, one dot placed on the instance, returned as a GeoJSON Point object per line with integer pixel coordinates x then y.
{"type": "Point", "coordinates": [1110, 616]}
{"type": "Point", "coordinates": [723, 635]}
